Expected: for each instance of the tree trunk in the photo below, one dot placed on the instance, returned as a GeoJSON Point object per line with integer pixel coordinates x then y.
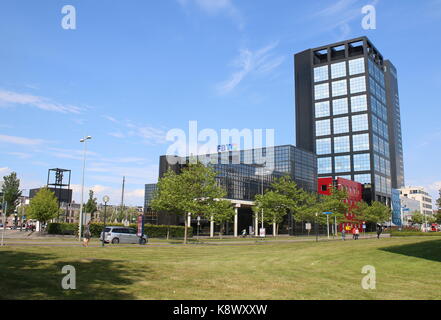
{"type": "Point", "coordinates": [185, 229]}
{"type": "Point", "coordinates": [274, 229]}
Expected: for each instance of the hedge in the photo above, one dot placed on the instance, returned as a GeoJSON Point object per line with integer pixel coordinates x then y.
{"type": "Point", "coordinates": [152, 231]}
{"type": "Point", "coordinates": [414, 234]}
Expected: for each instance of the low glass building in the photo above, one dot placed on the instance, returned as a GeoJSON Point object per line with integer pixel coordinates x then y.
{"type": "Point", "coordinates": [244, 174]}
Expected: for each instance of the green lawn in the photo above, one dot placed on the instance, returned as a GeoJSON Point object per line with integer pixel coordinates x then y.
{"type": "Point", "coordinates": [407, 268]}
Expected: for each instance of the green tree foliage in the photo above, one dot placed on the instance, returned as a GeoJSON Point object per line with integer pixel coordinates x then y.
{"type": "Point", "coordinates": [91, 205]}
{"type": "Point", "coordinates": [377, 212]}
{"type": "Point", "coordinates": [335, 203]}
{"type": "Point", "coordinates": [221, 212]}
{"type": "Point", "coordinates": [438, 217]}
{"type": "Point", "coordinates": [11, 192]}
{"type": "Point", "coordinates": [302, 205]}
{"type": "Point", "coordinates": [275, 207]}
{"type": "Point", "coordinates": [44, 206]}
{"type": "Point", "coordinates": [417, 218]}
{"type": "Point", "coordinates": [194, 191]}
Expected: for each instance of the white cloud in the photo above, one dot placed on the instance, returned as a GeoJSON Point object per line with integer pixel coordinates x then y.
{"type": "Point", "coordinates": [20, 155]}
{"type": "Point", "coordinates": [21, 140]}
{"type": "Point", "coordinates": [214, 7]}
{"type": "Point", "coordinates": [261, 61]}
{"type": "Point", "coordinates": [338, 16]}
{"type": "Point", "coordinates": [4, 171]}
{"type": "Point", "coordinates": [9, 97]}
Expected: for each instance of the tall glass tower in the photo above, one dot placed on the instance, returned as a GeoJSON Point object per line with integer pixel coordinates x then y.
{"type": "Point", "coordinates": [348, 113]}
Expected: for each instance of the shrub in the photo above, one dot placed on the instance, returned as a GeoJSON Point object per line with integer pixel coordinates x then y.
{"type": "Point", "coordinates": [414, 233]}
{"type": "Point", "coordinates": [153, 231]}
{"type": "Point", "coordinates": [63, 228]}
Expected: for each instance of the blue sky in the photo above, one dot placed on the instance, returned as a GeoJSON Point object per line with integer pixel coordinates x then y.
{"type": "Point", "coordinates": [132, 70]}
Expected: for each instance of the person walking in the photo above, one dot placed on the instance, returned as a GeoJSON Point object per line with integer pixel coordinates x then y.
{"type": "Point", "coordinates": [357, 233]}
{"type": "Point", "coordinates": [343, 234]}
{"type": "Point", "coordinates": [87, 235]}
{"type": "Point", "coordinates": [353, 233]}
{"type": "Point", "coordinates": [379, 230]}
{"type": "Point", "coordinates": [244, 233]}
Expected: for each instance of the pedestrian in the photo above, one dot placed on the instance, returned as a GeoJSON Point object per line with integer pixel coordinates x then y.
{"type": "Point", "coordinates": [87, 235]}
{"type": "Point", "coordinates": [357, 233]}
{"type": "Point", "coordinates": [353, 233]}
{"type": "Point", "coordinates": [343, 234]}
{"type": "Point", "coordinates": [379, 230]}
{"type": "Point", "coordinates": [244, 233]}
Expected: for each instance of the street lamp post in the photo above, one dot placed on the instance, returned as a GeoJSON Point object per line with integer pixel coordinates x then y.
{"type": "Point", "coordinates": [105, 199]}
{"type": "Point", "coordinates": [316, 229]}
{"type": "Point", "coordinates": [80, 224]}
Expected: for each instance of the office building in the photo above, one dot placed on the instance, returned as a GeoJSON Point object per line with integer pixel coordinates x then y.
{"type": "Point", "coordinates": [347, 112]}
{"type": "Point", "coordinates": [243, 174]}
{"type": "Point", "coordinates": [355, 195]}
{"type": "Point", "coordinates": [418, 194]}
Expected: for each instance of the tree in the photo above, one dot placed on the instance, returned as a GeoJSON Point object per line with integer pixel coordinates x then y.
{"type": "Point", "coordinates": [302, 205]}
{"type": "Point", "coordinates": [44, 206]}
{"type": "Point", "coordinates": [91, 205]}
{"type": "Point", "coordinates": [11, 192]}
{"type": "Point", "coordinates": [193, 192]}
{"type": "Point", "coordinates": [336, 203]}
{"type": "Point", "coordinates": [438, 217]}
{"type": "Point", "coordinates": [221, 212]}
{"type": "Point", "coordinates": [417, 218]}
{"type": "Point", "coordinates": [275, 207]}
{"type": "Point", "coordinates": [377, 212]}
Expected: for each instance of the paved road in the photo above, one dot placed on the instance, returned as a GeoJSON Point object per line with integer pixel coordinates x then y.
{"type": "Point", "coordinates": [21, 240]}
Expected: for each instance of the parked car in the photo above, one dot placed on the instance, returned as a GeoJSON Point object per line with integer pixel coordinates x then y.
{"type": "Point", "coordinates": [117, 235]}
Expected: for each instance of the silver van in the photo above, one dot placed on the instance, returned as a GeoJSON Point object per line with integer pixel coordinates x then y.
{"type": "Point", "coordinates": [117, 235]}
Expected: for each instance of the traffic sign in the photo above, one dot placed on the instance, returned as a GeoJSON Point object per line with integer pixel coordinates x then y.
{"type": "Point", "coordinates": [327, 212]}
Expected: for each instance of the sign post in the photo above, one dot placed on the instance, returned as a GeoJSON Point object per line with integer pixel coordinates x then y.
{"type": "Point", "coordinates": [140, 233]}
{"type": "Point", "coordinates": [308, 227]}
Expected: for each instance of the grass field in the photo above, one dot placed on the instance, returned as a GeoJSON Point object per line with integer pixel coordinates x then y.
{"type": "Point", "coordinates": [407, 268]}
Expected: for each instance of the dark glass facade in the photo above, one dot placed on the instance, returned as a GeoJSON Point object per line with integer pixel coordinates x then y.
{"type": "Point", "coordinates": [240, 172]}
{"type": "Point", "coordinates": [346, 112]}
{"type": "Point", "coordinates": [244, 174]}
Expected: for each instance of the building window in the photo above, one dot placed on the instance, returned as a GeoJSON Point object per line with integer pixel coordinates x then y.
{"type": "Point", "coordinates": [341, 144]}
{"type": "Point", "coordinates": [358, 84]}
{"type": "Point", "coordinates": [359, 103]}
{"type": "Point", "coordinates": [322, 109]}
{"type": "Point", "coordinates": [338, 70]}
{"type": "Point", "coordinates": [339, 88]}
{"type": "Point", "coordinates": [340, 106]}
{"type": "Point", "coordinates": [324, 165]}
{"type": "Point", "coordinates": [323, 146]}
{"type": "Point", "coordinates": [360, 122]}
{"type": "Point", "coordinates": [356, 66]}
{"type": "Point", "coordinates": [322, 128]}
{"type": "Point", "coordinates": [360, 142]}
{"type": "Point", "coordinates": [362, 162]}
{"type": "Point", "coordinates": [341, 125]}
{"type": "Point", "coordinates": [343, 164]}
{"type": "Point", "coordinates": [363, 178]}
{"type": "Point", "coordinates": [321, 91]}
{"type": "Point", "coordinates": [321, 74]}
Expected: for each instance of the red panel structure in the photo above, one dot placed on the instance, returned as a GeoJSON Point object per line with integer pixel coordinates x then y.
{"type": "Point", "coordinates": [355, 192]}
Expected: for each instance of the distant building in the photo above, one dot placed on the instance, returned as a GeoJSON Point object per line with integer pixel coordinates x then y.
{"type": "Point", "coordinates": [408, 208]}
{"type": "Point", "coordinates": [418, 193]}
{"type": "Point", "coordinates": [354, 191]}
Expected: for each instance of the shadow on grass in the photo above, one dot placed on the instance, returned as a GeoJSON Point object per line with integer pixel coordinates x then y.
{"type": "Point", "coordinates": [429, 250]}
{"type": "Point", "coordinates": [27, 276]}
